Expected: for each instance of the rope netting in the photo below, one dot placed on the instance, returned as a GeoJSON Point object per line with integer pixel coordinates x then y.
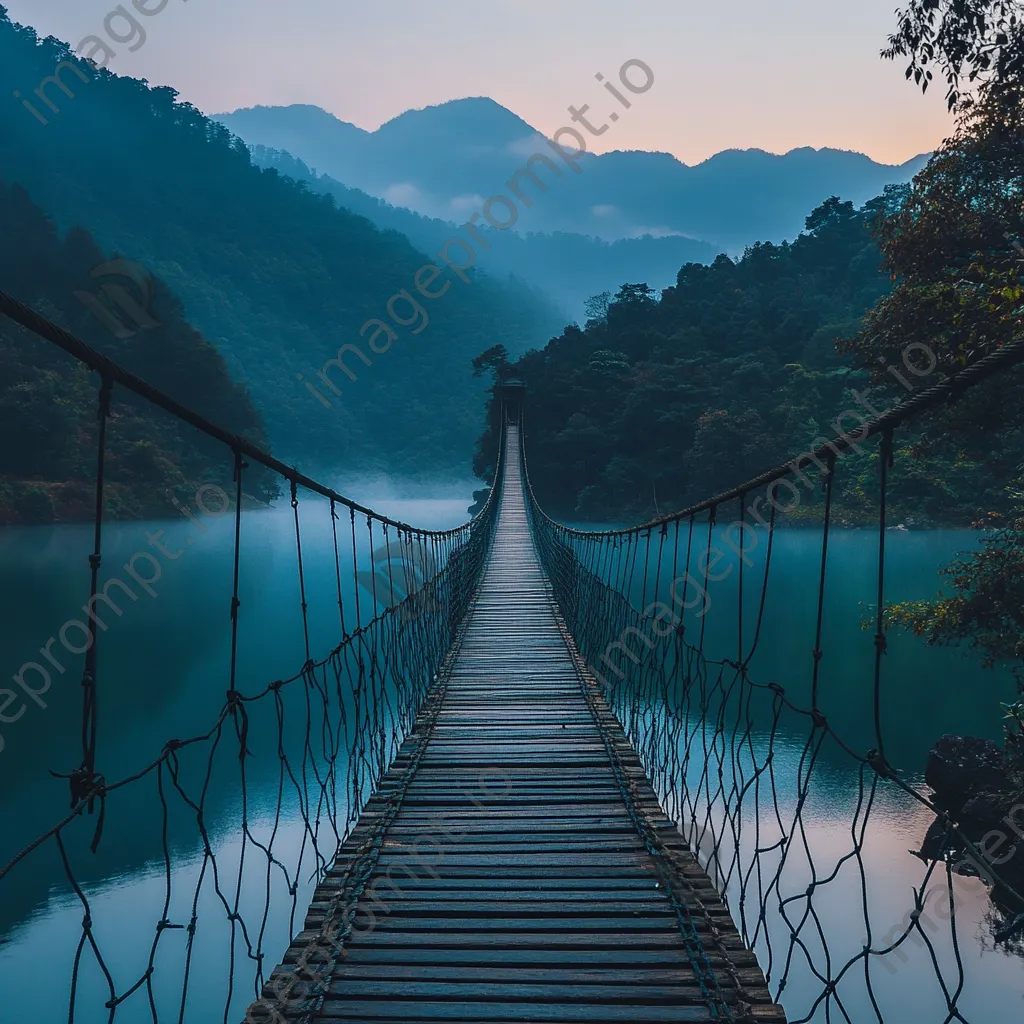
{"type": "Point", "coordinates": [305, 752]}
{"type": "Point", "coordinates": [784, 789]}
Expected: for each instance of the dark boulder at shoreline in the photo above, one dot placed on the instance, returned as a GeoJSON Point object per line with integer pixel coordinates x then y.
{"type": "Point", "coordinates": [977, 784]}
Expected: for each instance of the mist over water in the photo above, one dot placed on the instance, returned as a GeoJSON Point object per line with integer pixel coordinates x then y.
{"type": "Point", "coordinates": [163, 673]}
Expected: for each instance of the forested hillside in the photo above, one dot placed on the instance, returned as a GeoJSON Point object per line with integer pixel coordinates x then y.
{"type": "Point", "coordinates": [276, 277]}
{"type": "Point", "coordinates": [567, 267]}
{"type": "Point", "coordinates": [48, 401]}
{"type": "Point", "coordinates": [658, 404]}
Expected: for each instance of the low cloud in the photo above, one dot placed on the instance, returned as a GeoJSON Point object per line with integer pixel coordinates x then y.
{"type": "Point", "coordinates": [404, 193]}
{"type": "Point", "coordinates": [462, 205]}
{"type": "Point", "coordinates": [528, 145]}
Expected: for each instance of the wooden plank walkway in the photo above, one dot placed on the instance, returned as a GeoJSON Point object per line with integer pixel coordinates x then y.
{"type": "Point", "coordinates": [522, 883]}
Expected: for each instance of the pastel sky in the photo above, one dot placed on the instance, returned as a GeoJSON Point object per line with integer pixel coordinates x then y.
{"type": "Point", "coordinates": [773, 74]}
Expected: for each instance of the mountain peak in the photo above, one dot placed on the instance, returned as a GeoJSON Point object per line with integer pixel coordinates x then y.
{"type": "Point", "coordinates": [472, 119]}
{"type": "Point", "coordinates": [298, 116]}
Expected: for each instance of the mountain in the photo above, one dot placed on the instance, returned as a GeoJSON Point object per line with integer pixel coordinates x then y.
{"type": "Point", "coordinates": [441, 160]}
{"type": "Point", "coordinates": [569, 268]}
{"type": "Point", "coordinates": [48, 400]}
{"type": "Point", "coordinates": [422, 159]}
{"type": "Point", "coordinates": [277, 277]}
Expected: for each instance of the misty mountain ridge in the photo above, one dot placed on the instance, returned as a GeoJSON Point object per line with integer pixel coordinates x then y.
{"type": "Point", "coordinates": [567, 267]}
{"type": "Point", "coordinates": [443, 161]}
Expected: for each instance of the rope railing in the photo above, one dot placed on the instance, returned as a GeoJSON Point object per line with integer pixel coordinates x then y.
{"type": "Point", "coordinates": [737, 758]}
{"type": "Point", "coordinates": [306, 752]}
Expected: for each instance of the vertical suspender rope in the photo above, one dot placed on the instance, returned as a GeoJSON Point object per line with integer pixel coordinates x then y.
{"type": "Point", "coordinates": [826, 524]}
{"type": "Point", "coordinates": [83, 780]}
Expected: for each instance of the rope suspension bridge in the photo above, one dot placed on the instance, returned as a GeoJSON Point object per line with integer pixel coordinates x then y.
{"type": "Point", "coordinates": [522, 786]}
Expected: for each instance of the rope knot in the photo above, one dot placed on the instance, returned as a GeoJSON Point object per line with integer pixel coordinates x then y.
{"type": "Point", "coordinates": [172, 745]}
{"type": "Point", "coordinates": [881, 644]}
{"type": "Point", "coordinates": [877, 760]}
{"type": "Point", "coordinates": [817, 653]}
{"type": "Point", "coordinates": [775, 688]}
{"type": "Point", "coordinates": [94, 560]}
{"type": "Point", "coordinates": [85, 784]}
{"type": "Point", "coordinates": [234, 699]}
{"type": "Point", "coordinates": [819, 719]}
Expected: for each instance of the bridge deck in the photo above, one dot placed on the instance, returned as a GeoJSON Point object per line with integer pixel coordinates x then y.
{"type": "Point", "coordinates": [522, 886]}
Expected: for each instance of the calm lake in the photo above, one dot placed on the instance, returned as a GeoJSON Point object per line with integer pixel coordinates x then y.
{"type": "Point", "coordinates": [163, 673]}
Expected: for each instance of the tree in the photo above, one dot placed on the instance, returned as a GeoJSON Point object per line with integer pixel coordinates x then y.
{"type": "Point", "coordinates": [974, 41]}
{"type": "Point", "coordinates": [986, 610]}
{"type": "Point", "coordinates": [951, 246]}
{"type": "Point", "coordinates": [635, 296]}
{"type": "Point", "coordinates": [596, 307]}
{"type": "Point", "coordinates": [495, 359]}
{"type": "Point", "coordinates": [832, 211]}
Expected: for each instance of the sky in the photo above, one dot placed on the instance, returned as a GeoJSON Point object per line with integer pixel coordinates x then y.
{"type": "Point", "coordinates": [768, 74]}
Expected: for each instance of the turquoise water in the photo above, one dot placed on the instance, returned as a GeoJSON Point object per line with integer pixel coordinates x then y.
{"type": "Point", "coordinates": [163, 670]}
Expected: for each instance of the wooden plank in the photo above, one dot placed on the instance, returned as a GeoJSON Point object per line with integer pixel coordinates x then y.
{"type": "Point", "coordinates": [501, 1012]}
{"type": "Point", "coordinates": [502, 974]}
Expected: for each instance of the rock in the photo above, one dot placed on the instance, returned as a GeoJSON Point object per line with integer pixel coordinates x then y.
{"type": "Point", "coordinates": [962, 767]}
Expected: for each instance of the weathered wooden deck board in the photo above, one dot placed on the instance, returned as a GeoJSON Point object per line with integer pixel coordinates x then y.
{"type": "Point", "coordinates": [514, 885]}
